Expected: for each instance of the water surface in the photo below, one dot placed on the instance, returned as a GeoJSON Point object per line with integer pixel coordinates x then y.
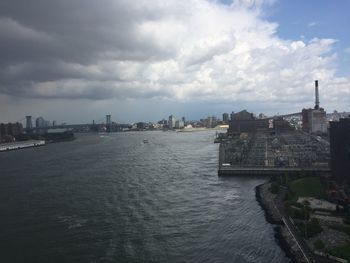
{"type": "Point", "coordinates": [113, 198]}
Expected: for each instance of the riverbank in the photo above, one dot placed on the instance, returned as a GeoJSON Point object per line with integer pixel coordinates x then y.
{"type": "Point", "coordinates": [283, 238]}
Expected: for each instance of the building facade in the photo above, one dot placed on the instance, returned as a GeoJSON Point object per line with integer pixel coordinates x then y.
{"type": "Point", "coordinates": [179, 124]}
{"type": "Point", "coordinates": [225, 118]}
{"type": "Point", "coordinates": [340, 150]}
{"type": "Point", "coordinates": [244, 121]}
{"type": "Point", "coordinates": [171, 122]}
{"type": "Point", "coordinates": [9, 131]}
{"type": "Point", "coordinates": [314, 120]}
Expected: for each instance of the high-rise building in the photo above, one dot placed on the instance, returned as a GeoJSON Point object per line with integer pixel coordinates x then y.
{"type": "Point", "coordinates": [225, 118]}
{"type": "Point", "coordinates": [340, 149]}
{"type": "Point", "coordinates": [29, 125]}
{"type": "Point", "coordinates": [108, 123]}
{"type": "Point", "coordinates": [179, 124]}
{"type": "Point", "coordinates": [171, 122]}
{"type": "Point", "coordinates": [40, 123]}
{"type": "Point", "coordinates": [232, 115]}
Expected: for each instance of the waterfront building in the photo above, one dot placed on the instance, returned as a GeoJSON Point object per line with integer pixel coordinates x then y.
{"type": "Point", "coordinates": [244, 121]}
{"type": "Point", "coordinates": [248, 126]}
{"type": "Point", "coordinates": [29, 125]}
{"type": "Point", "coordinates": [9, 131]}
{"type": "Point", "coordinates": [40, 123]}
{"type": "Point", "coordinates": [340, 150]}
{"type": "Point", "coordinates": [242, 115]}
{"type": "Point", "coordinates": [141, 126]}
{"type": "Point", "coordinates": [171, 122]}
{"type": "Point", "coordinates": [179, 124]}
{"type": "Point", "coordinates": [108, 123]}
{"type": "Point", "coordinates": [314, 120]}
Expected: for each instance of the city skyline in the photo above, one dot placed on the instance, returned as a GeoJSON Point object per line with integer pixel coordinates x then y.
{"type": "Point", "coordinates": [187, 58]}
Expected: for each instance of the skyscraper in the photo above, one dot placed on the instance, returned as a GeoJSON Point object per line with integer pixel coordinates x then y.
{"type": "Point", "coordinates": [108, 123]}
{"type": "Point", "coordinates": [172, 122]}
{"type": "Point", "coordinates": [29, 125]}
{"type": "Point", "coordinates": [40, 122]}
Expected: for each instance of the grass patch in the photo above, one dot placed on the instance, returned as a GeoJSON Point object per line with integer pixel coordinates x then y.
{"type": "Point", "coordinates": [341, 252]}
{"type": "Point", "coordinates": [312, 228]}
{"type": "Point", "coordinates": [306, 187]}
{"type": "Point", "coordinates": [318, 244]}
{"type": "Point", "coordinates": [345, 229]}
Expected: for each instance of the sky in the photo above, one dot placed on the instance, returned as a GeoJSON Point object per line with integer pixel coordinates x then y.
{"type": "Point", "coordinates": [76, 61]}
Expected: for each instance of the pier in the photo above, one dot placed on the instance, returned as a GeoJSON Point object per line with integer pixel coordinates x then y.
{"type": "Point", "coordinates": [21, 145]}
{"type": "Point", "coordinates": [271, 171]}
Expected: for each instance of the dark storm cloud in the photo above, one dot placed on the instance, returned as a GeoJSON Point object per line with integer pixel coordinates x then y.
{"type": "Point", "coordinates": [78, 31]}
{"type": "Point", "coordinates": [44, 41]}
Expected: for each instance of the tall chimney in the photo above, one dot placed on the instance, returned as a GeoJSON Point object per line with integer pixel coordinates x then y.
{"type": "Point", "coordinates": [317, 98]}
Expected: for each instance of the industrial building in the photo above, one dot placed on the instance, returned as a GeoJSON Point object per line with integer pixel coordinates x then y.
{"type": "Point", "coordinates": [314, 120]}
{"type": "Point", "coordinates": [282, 149]}
{"type": "Point", "coordinates": [248, 126]}
{"type": "Point", "coordinates": [340, 150]}
{"type": "Point", "coordinates": [245, 122]}
{"type": "Point", "coordinates": [242, 115]}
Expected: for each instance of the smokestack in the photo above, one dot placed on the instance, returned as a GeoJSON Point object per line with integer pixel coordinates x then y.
{"type": "Point", "coordinates": [317, 98]}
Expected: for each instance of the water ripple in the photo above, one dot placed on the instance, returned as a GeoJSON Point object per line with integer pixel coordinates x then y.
{"type": "Point", "coordinates": [113, 198]}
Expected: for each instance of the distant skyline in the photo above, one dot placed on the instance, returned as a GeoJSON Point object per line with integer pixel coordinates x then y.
{"type": "Point", "coordinates": [144, 60]}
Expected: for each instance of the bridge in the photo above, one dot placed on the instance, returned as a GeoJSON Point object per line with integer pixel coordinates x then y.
{"type": "Point", "coordinates": [295, 114]}
{"type": "Point", "coordinates": [271, 171]}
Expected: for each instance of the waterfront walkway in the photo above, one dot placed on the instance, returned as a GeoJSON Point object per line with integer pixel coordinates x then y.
{"type": "Point", "coordinates": [308, 254]}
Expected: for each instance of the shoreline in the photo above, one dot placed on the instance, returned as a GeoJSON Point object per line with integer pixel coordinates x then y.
{"type": "Point", "coordinates": [272, 218]}
{"type": "Point", "coordinates": [6, 147]}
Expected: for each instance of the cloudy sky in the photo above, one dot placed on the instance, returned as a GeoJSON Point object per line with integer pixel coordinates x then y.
{"type": "Point", "coordinates": [77, 60]}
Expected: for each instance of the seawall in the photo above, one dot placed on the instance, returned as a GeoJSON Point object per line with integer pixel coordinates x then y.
{"type": "Point", "coordinates": [265, 200]}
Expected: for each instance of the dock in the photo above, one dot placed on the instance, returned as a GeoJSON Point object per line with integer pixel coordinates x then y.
{"type": "Point", "coordinates": [271, 171]}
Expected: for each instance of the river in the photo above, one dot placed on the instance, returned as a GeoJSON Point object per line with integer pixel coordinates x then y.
{"type": "Point", "coordinates": [114, 198]}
